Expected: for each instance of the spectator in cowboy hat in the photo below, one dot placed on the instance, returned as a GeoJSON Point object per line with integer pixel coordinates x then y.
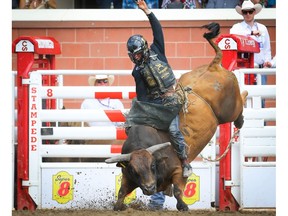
{"type": "Point", "coordinates": [103, 104]}
{"type": "Point", "coordinates": [101, 80]}
{"type": "Point", "coordinates": [257, 31]}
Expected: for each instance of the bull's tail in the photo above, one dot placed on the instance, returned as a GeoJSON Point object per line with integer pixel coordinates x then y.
{"type": "Point", "coordinates": [214, 30]}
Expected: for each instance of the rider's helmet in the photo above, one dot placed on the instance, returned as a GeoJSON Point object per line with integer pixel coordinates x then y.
{"type": "Point", "coordinates": [136, 44]}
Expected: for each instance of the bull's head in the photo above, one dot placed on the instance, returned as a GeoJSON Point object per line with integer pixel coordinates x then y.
{"type": "Point", "coordinates": [140, 167]}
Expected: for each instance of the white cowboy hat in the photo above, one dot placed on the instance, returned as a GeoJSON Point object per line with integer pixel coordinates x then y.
{"type": "Point", "coordinates": [248, 5]}
{"type": "Point", "coordinates": [92, 79]}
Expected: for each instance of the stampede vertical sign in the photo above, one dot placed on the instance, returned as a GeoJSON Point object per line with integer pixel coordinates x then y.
{"type": "Point", "coordinates": [62, 187]}
{"type": "Point", "coordinates": [192, 190]}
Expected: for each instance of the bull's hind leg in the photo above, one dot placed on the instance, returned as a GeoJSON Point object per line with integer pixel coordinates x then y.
{"type": "Point", "coordinates": [244, 95]}
{"type": "Point", "coordinates": [240, 120]}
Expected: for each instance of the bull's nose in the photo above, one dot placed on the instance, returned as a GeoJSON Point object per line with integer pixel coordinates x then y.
{"type": "Point", "coordinates": [149, 189]}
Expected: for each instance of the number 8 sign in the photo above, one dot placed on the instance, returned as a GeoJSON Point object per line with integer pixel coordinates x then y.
{"type": "Point", "coordinates": [191, 192]}
{"type": "Point", "coordinates": [62, 187]}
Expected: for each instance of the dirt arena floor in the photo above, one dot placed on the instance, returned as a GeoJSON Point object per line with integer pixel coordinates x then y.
{"type": "Point", "coordinates": [135, 212]}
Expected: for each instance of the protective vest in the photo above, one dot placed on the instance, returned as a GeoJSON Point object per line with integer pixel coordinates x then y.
{"type": "Point", "coordinates": [158, 75]}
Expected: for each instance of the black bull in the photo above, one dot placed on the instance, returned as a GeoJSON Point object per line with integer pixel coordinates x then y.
{"type": "Point", "coordinates": [213, 98]}
{"type": "Point", "coordinates": [151, 167]}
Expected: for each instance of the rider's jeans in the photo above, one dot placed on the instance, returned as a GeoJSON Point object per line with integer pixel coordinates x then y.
{"type": "Point", "coordinates": [177, 138]}
{"type": "Point", "coordinates": [156, 201]}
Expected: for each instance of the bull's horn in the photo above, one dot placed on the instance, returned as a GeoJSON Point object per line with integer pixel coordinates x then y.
{"type": "Point", "coordinates": [118, 158]}
{"type": "Point", "coordinates": [157, 147]}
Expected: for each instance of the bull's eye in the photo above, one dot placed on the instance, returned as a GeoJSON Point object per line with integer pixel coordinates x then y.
{"type": "Point", "coordinates": [153, 166]}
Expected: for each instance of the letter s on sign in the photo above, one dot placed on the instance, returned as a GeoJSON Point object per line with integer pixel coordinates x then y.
{"type": "Point", "coordinates": [24, 46]}
{"type": "Point", "coordinates": [227, 43]}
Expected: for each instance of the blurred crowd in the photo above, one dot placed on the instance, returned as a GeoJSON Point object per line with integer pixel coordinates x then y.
{"type": "Point", "coordinates": [130, 4]}
{"type": "Point", "coordinates": [34, 4]}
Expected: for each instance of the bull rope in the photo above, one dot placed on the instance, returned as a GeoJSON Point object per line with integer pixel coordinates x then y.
{"type": "Point", "coordinates": [236, 133]}
{"type": "Point", "coordinates": [188, 90]}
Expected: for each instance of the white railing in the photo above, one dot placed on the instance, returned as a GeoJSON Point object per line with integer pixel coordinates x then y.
{"type": "Point", "coordinates": [254, 167]}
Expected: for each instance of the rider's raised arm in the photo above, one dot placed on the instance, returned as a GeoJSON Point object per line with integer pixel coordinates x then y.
{"type": "Point", "coordinates": [158, 37]}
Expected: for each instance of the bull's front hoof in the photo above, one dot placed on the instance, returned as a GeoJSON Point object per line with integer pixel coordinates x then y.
{"type": "Point", "coordinates": [182, 207]}
{"type": "Point", "coordinates": [121, 207]}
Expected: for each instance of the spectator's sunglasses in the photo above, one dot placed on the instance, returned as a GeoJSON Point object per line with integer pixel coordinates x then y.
{"type": "Point", "coordinates": [102, 80]}
{"type": "Point", "coordinates": [246, 12]}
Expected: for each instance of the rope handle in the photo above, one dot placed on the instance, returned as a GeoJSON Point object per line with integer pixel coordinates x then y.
{"type": "Point", "coordinates": [236, 133]}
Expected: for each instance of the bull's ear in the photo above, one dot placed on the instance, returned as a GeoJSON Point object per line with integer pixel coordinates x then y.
{"type": "Point", "coordinates": [157, 147]}
{"type": "Point", "coordinates": [122, 164]}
